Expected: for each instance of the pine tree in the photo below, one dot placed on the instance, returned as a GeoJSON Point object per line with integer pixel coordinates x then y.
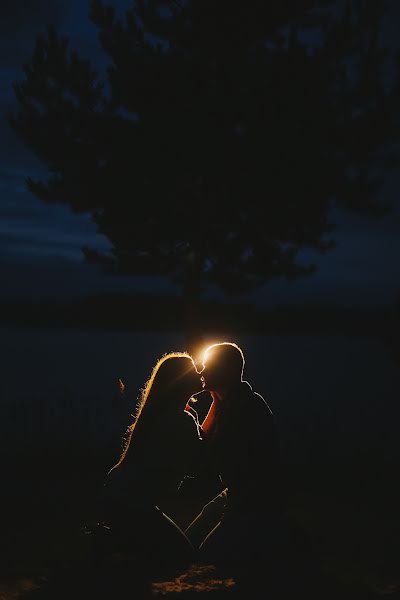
{"type": "Point", "coordinates": [221, 137]}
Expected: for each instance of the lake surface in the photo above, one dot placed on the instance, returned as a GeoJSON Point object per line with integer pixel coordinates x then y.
{"type": "Point", "coordinates": [332, 396]}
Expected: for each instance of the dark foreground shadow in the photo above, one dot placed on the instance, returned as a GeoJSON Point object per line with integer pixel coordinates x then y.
{"type": "Point", "coordinates": [196, 581]}
{"type": "Point", "coordinates": [36, 574]}
{"type": "Point", "coordinates": [294, 572]}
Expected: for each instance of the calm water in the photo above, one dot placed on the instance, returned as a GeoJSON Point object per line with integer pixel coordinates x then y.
{"type": "Point", "coordinates": [331, 395]}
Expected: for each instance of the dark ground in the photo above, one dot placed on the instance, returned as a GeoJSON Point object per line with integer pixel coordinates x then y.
{"type": "Point", "coordinates": [345, 518]}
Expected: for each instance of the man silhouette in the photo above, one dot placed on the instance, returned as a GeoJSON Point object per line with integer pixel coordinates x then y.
{"type": "Point", "coordinates": [240, 436]}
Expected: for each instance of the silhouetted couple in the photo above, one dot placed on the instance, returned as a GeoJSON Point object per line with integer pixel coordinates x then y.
{"type": "Point", "coordinates": [234, 445]}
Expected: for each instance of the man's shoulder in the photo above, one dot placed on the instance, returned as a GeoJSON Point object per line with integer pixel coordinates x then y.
{"type": "Point", "coordinates": [260, 401]}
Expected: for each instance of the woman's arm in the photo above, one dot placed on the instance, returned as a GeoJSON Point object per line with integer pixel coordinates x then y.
{"type": "Point", "coordinates": [210, 420]}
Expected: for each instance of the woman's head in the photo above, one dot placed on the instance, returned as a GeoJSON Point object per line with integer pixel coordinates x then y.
{"type": "Point", "coordinates": [172, 382]}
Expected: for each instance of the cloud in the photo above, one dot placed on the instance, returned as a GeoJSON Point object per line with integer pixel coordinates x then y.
{"type": "Point", "coordinates": [59, 278]}
{"type": "Point", "coordinates": [35, 236]}
{"type": "Point", "coordinates": [32, 228]}
{"type": "Point", "coordinates": [34, 246]}
{"type": "Point", "coordinates": [361, 270]}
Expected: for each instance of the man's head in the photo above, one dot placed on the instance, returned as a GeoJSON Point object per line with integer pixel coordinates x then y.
{"type": "Point", "coordinates": [223, 366]}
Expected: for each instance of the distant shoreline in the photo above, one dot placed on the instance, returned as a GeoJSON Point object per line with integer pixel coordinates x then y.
{"type": "Point", "coordinates": [163, 313]}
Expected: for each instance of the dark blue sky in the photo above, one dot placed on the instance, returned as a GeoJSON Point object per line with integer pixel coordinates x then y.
{"type": "Point", "coordinates": [40, 253]}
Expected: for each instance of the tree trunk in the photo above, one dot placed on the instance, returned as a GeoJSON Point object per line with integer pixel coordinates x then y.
{"type": "Point", "coordinates": [191, 294]}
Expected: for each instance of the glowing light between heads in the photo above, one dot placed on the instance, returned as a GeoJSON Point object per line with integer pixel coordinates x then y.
{"type": "Point", "coordinates": [201, 356]}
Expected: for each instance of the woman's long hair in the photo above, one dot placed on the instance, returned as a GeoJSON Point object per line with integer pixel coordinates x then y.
{"type": "Point", "coordinates": [170, 385]}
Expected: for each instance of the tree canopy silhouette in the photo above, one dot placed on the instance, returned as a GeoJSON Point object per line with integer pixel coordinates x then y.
{"type": "Point", "coordinates": [221, 136]}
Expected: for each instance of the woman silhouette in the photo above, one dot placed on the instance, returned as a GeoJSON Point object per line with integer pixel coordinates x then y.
{"type": "Point", "coordinates": [162, 445]}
